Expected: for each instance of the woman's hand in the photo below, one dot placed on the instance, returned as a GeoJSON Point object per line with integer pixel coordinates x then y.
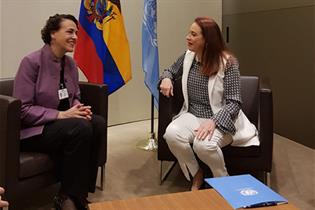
{"type": "Point", "coordinates": [205, 129]}
{"type": "Point", "coordinates": [166, 87]}
{"type": "Point", "coordinates": [2, 202]}
{"type": "Point", "coordinates": [77, 111]}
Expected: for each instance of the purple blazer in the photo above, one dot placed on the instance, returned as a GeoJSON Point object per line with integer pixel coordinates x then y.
{"type": "Point", "coordinates": [36, 84]}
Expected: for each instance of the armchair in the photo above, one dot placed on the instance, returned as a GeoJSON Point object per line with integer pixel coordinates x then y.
{"type": "Point", "coordinates": [24, 172]}
{"type": "Point", "coordinates": [257, 105]}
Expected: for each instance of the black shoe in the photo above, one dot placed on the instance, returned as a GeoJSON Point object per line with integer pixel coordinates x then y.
{"type": "Point", "coordinates": [62, 201]}
{"type": "Point", "coordinates": [205, 185]}
{"type": "Point", "coordinates": [81, 203]}
{"type": "Point", "coordinates": [58, 201]}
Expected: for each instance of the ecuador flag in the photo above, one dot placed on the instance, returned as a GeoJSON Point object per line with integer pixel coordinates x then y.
{"type": "Point", "coordinates": [102, 50]}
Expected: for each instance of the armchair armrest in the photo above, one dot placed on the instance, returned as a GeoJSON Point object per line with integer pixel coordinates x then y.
{"type": "Point", "coordinates": [265, 126]}
{"type": "Point", "coordinates": [9, 139]}
{"type": "Point", "coordinates": [165, 117]}
{"type": "Point", "coordinates": [96, 96]}
{"type": "Point", "coordinates": [165, 110]}
{"type": "Point", "coordinates": [168, 108]}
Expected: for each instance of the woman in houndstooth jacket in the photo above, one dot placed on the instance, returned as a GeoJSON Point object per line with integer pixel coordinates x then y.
{"type": "Point", "coordinates": [212, 103]}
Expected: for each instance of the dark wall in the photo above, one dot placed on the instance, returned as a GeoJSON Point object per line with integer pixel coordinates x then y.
{"type": "Point", "coordinates": [279, 44]}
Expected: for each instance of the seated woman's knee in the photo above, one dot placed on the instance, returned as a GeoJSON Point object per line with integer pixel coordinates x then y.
{"type": "Point", "coordinates": [171, 133]}
{"type": "Point", "coordinates": [98, 122]}
{"type": "Point", "coordinates": [81, 127]}
{"type": "Point", "coordinates": [201, 147]}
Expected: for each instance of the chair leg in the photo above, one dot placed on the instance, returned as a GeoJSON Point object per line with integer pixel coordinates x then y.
{"type": "Point", "coordinates": [267, 174]}
{"type": "Point", "coordinates": [102, 177]}
{"type": "Point", "coordinates": [266, 178]}
{"type": "Point", "coordinates": [101, 187]}
{"type": "Point", "coordinates": [168, 171]}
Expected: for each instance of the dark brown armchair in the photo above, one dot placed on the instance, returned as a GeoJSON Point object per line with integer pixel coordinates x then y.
{"type": "Point", "coordinates": [257, 105]}
{"type": "Point", "coordinates": [24, 172]}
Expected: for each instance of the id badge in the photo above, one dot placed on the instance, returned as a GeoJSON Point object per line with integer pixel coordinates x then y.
{"type": "Point", "coordinates": [63, 93]}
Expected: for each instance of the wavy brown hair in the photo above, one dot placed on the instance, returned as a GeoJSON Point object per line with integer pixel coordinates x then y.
{"type": "Point", "coordinates": [53, 24]}
{"type": "Point", "coordinates": [214, 47]}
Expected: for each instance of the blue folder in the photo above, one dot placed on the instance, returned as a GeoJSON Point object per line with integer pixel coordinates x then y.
{"type": "Point", "coordinates": [245, 191]}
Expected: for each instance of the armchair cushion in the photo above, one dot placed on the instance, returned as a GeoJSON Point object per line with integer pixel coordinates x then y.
{"type": "Point", "coordinates": [32, 164]}
{"type": "Point", "coordinates": [251, 151]}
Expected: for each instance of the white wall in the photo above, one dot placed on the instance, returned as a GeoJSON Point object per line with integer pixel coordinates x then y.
{"type": "Point", "coordinates": [21, 25]}
{"type": "Point", "coordinates": [22, 20]}
{"type": "Point", "coordinates": [174, 20]}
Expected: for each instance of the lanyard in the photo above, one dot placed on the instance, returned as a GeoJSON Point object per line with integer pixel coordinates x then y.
{"type": "Point", "coordinates": [62, 84]}
{"type": "Point", "coordinates": [63, 94]}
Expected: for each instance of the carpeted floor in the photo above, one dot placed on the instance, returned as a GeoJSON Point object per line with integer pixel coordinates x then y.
{"type": "Point", "coordinates": [133, 172]}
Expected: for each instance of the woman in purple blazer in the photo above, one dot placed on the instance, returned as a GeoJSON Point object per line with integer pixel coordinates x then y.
{"type": "Point", "coordinates": [53, 119]}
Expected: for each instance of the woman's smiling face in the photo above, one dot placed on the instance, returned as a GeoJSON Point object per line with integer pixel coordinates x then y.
{"type": "Point", "coordinates": [66, 37]}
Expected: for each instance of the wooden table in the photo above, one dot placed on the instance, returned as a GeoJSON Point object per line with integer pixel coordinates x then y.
{"type": "Point", "coordinates": [198, 200]}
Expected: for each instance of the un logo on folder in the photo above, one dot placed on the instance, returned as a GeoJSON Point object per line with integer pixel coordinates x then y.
{"type": "Point", "coordinates": [248, 192]}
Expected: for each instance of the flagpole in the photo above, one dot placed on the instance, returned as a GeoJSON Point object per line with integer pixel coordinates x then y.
{"type": "Point", "coordinates": [149, 144]}
{"type": "Point", "coordinates": [152, 117]}
{"type": "Point", "coordinates": [150, 65]}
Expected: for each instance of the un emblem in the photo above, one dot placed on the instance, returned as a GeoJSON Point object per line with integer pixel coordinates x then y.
{"type": "Point", "coordinates": [149, 20]}
{"type": "Point", "coordinates": [248, 192]}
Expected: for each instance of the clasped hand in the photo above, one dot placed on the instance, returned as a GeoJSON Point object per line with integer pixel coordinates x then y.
{"type": "Point", "coordinates": [2, 202]}
{"type": "Point", "coordinates": [166, 87]}
{"type": "Point", "coordinates": [77, 111]}
{"type": "Point", "coordinates": [205, 130]}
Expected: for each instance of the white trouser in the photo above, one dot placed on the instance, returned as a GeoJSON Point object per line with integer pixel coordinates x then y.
{"type": "Point", "coordinates": [180, 133]}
